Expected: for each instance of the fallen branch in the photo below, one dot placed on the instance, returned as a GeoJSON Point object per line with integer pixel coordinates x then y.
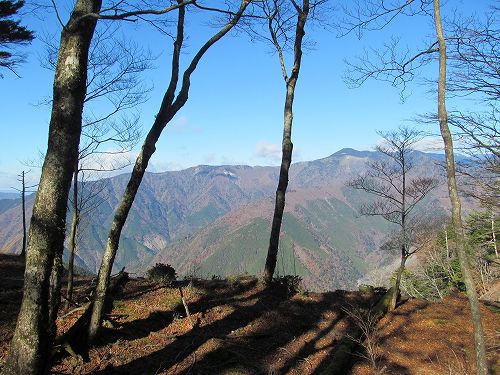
{"type": "Point", "coordinates": [80, 308]}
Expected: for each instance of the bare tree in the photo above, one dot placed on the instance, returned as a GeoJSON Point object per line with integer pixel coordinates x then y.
{"type": "Point", "coordinates": [397, 192]}
{"type": "Point", "coordinates": [86, 198]}
{"type": "Point", "coordinates": [474, 58]}
{"type": "Point", "coordinates": [35, 329]}
{"type": "Point", "coordinates": [24, 189]}
{"type": "Point", "coordinates": [87, 195]}
{"type": "Point", "coordinates": [115, 68]}
{"type": "Point", "coordinates": [75, 221]}
{"type": "Point", "coordinates": [456, 214]}
{"type": "Point", "coordinates": [172, 102]}
{"type": "Point", "coordinates": [399, 69]}
{"type": "Point", "coordinates": [114, 89]}
{"type": "Point", "coordinates": [280, 18]}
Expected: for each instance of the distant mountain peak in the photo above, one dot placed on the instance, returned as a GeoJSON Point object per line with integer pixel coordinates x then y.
{"type": "Point", "coordinates": [352, 152]}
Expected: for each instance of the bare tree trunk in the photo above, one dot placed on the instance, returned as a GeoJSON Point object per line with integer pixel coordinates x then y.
{"type": "Point", "coordinates": [397, 285]}
{"type": "Point", "coordinates": [287, 146]}
{"type": "Point", "coordinates": [32, 342]}
{"type": "Point", "coordinates": [23, 198]}
{"type": "Point", "coordinates": [169, 107]}
{"type": "Point", "coordinates": [448, 254]}
{"type": "Point", "coordinates": [404, 250]}
{"type": "Point", "coordinates": [279, 207]}
{"type": "Point", "coordinates": [55, 292]}
{"type": "Point", "coordinates": [482, 363]}
{"type": "Point", "coordinates": [493, 235]}
{"type": "Point", "coordinates": [72, 239]}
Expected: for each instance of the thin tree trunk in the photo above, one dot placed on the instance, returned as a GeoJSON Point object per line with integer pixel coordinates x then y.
{"type": "Point", "coordinates": [55, 292]}
{"type": "Point", "coordinates": [397, 285]}
{"type": "Point", "coordinates": [168, 109]}
{"type": "Point", "coordinates": [23, 250]}
{"type": "Point", "coordinates": [481, 361]}
{"type": "Point", "coordinates": [72, 239]}
{"type": "Point", "coordinates": [287, 145]}
{"type": "Point", "coordinates": [33, 337]}
{"type": "Point", "coordinates": [493, 235]}
{"type": "Point", "coordinates": [404, 250]}
{"type": "Point", "coordinates": [448, 254]}
{"type": "Point", "coordinates": [279, 207]}
{"type": "Point", "coordinates": [74, 340]}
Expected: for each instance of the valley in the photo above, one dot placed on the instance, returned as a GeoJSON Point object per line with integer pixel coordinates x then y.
{"type": "Point", "coordinates": [214, 221]}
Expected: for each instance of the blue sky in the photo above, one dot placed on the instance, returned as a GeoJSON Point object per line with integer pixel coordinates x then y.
{"type": "Point", "coordinates": [235, 107]}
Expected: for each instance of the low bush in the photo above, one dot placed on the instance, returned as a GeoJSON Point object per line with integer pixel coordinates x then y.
{"type": "Point", "coordinates": [292, 284]}
{"type": "Point", "coordinates": [162, 273]}
{"type": "Point", "coordinates": [434, 277]}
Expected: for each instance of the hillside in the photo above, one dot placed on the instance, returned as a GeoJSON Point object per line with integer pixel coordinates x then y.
{"type": "Point", "coordinates": [215, 220]}
{"type": "Point", "coordinates": [323, 240]}
{"type": "Point", "coordinates": [243, 328]}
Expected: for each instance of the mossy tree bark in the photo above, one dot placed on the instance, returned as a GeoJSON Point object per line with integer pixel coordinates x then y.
{"type": "Point", "coordinates": [287, 145]}
{"type": "Point", "coordinates": [170, 105]}
{"type": "Point", "coordinates": [481, 361]}
{"type": "Point", "coordinates": [35, 329]}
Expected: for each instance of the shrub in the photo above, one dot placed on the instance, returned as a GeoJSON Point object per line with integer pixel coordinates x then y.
{"type": "Point", "coordinates": [291, 284]}
{"type": "Point", "coordinates": [162, 273]}
{"type": "Point", "coordinates": [434, 277]}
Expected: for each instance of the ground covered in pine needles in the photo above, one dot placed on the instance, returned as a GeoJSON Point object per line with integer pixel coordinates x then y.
{"type": "Point", "coordinates": [239, 327]}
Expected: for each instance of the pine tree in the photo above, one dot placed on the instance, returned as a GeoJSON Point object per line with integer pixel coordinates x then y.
{"type": "Point", "coordinates": [11, 33]}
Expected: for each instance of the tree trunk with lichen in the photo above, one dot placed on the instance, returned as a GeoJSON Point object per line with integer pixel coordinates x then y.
{"type": "Point", "coordinates": [35, 329]}
{"type": "Point", "coordinates": [481, 361]}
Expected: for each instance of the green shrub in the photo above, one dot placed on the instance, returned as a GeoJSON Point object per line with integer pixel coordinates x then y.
{"type": "Point", "coordinates": [162, 273]}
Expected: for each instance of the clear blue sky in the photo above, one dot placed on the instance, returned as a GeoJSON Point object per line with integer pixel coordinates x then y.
{"type": "Point", "coordinates": [234, 112]}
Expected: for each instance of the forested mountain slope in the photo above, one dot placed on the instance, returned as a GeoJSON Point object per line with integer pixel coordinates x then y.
{"type": "Point", "coordinates": [215, 220]}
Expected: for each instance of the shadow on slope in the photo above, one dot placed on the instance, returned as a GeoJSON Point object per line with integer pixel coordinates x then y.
{"type": "Point", "coordinates": [241, 328]}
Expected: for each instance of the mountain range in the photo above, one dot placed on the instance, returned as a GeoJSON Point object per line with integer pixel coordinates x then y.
{"type": "Point", "coordinates": [215, 220]}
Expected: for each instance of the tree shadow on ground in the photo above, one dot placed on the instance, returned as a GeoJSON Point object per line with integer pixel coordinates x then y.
{"type": "Point", "coordinates": [244, 329]}
{"type": "Point", "coordinates": [213, 294]}
{"type": "Point", "coordinates": [425, 337]}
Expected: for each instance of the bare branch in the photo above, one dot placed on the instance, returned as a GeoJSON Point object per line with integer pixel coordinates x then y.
{"type": "Point", "coordinates": [129, 14]}
{"type": "Point", "coordinates": [376, 15]}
